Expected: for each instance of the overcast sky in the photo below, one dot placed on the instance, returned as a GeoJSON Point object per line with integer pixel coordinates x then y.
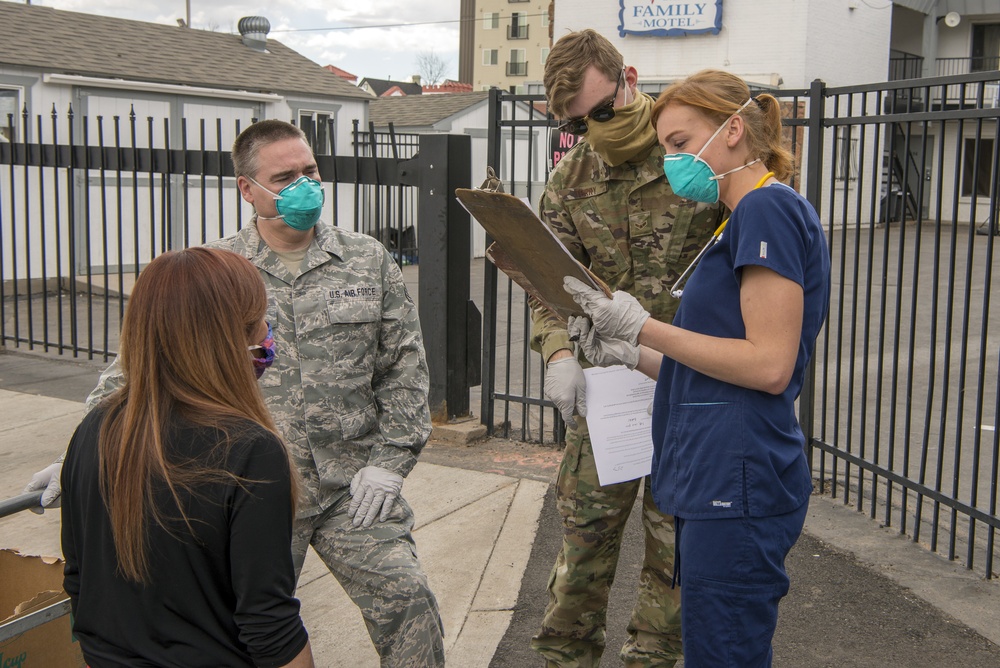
{"type": "Point", "coordinates": [345, 33]}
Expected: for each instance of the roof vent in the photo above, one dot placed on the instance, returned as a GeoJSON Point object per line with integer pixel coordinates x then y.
{"type": "Point", "coordinates": [254, 30]}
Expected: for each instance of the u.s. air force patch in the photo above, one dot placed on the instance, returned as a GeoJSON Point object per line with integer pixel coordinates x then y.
{"type": "Point", "coordinates": [354, 293]}
{"type": "Point", "coordinates": [354, 303]}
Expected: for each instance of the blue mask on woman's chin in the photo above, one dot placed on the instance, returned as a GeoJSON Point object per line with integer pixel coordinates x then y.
{"type": "Point", "coordinates": [299, 204]}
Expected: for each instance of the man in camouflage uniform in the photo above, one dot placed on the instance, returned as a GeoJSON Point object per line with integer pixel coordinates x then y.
{"type": "Point", "coordinates": [348, 392]}
{"type": "Point", "coordinates": [609, 202]}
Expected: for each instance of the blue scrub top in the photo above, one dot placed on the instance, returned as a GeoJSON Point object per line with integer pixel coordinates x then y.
{"type": "Point", "coordinates": [721, 450]}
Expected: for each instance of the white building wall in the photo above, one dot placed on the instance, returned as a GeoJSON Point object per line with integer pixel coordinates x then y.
{"type": "Point", "coordinates": [763, 41]}
{"type": "Point", "coordinates": [907, 30]}
{"type": "Point", "coordinates": [844, 46]}
{"type": "Point", "coordinates": [955, 42]}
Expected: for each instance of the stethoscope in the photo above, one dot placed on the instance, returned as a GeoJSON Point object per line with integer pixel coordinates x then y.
{"type": "Point", "coordinates": [676, 290]}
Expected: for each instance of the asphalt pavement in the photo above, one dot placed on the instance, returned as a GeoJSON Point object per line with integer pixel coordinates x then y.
{"type": "Point", "coordinates": [487, 533]}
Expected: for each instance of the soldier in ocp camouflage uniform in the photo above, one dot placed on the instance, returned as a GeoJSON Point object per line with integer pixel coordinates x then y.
{"type": "Point", "coordinates": [348, 392]}
{"type": "Point", "coordinates": [609, 202]}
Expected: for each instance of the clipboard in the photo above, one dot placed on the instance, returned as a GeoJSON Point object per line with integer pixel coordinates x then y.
{"type": "Point", "coordinates": [526, 250]}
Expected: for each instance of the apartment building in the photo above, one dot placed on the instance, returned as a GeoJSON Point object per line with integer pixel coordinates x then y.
{"type": "Point", "coordinates": [504, 43]}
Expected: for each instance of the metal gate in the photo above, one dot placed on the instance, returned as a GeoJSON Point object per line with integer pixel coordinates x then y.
{"type": "Point", "coordinates": [901, 415]}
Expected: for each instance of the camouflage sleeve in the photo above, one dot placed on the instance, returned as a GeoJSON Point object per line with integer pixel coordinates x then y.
{"type": "Point", "coordinates": [400, 379]}
{"type": "Point", "coordinates": [111, 379]}
{"type": "Point", "coordinates": [548, 333]}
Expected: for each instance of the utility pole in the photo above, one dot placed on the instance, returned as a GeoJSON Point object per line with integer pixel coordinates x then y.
{"type": "Point", "coordinates": [188, 3]}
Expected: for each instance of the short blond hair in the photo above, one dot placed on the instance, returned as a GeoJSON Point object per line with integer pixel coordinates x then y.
{"type": "Point", "coordinates": [568, 61]}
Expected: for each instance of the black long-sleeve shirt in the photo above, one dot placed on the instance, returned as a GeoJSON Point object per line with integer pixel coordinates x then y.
{"type": "Point", "coordinates": [220, 597]}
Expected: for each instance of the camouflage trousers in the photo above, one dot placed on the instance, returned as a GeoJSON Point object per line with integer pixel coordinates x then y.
{"type": "Point", "coordinates": [594, 517]}
{"type": "Point", "coordinates": [379, 570]}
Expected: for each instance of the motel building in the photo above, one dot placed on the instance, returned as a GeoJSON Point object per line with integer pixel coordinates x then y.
{"type": "Point", "coordinates": [783, 46]}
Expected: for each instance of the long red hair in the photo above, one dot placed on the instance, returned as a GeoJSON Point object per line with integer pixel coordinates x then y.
{"type": "Point", "coordinates": [184, 356]}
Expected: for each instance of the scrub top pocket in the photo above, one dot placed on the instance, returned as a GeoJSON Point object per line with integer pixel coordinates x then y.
{"type": "Point", "coordinates": [706, 442]}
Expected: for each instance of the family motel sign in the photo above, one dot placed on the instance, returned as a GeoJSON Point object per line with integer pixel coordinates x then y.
{"type": "Point", "coordinates": [669, 18]}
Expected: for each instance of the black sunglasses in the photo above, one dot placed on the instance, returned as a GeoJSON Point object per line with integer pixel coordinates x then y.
{"type": "Point", "coordinates": [600, 114]}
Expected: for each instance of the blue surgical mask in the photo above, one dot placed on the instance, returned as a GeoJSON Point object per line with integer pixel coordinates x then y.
{"type": "Point", "coordinates": [691, 177]}
{"type": "Point", "coordinates": [299, 204]}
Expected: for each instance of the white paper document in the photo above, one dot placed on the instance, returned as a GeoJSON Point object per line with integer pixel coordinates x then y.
{"type": "Point", "coordinates": [618, 402]}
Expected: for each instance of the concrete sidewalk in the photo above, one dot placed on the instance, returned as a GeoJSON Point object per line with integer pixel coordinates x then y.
{"type": "Point", "coordinates": [474, 529]}
{"type": "Point", "coordinates": [487, 533]}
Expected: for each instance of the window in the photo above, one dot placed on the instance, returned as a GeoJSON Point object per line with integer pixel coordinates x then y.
{"type": "Point", "coordinates": [318, 127]}
{"type": "Point", "coordinates": [985, 47]}
{"type": "Point", "coordinates": [847, 156]}
{"type": "Point", "coordinates": [491, 56]}
{"type": "Point", "coordinates": [10, 113]}
{"type": "Point", "coordinates": [518, 28]}
{"type": "Point", "coordinates": [545, 19]}
{"type": "Point", "coordinates": [545, 54]}
{"type": "Point", "coordinates": [517, 66]}
{"type": "Point", "coordinates": [982, 177]}
{"type": "Point", "coordinates": [491, 21]}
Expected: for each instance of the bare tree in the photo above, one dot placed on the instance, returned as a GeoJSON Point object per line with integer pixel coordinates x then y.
{"type": "Point", "coordinates": [431, 67]}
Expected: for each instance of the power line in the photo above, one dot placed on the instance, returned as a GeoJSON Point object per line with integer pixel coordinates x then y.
{"type": "Point", "coordinates": [394, 25]}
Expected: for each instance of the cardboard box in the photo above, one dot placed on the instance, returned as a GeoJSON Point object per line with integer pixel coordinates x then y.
{"type": "Point", "coordinates": [28, 584]}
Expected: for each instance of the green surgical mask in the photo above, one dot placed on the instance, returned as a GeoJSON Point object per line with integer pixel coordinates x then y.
{"type": "Point", "coordinates": [299, 204]}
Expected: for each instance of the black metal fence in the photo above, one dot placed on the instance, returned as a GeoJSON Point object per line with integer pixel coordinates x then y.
{"type": "Point", "coordinates": [389, 211]}
{"type": "Point", "coordinates": [901, 417]}
{"type": "Point", "coordinates": [902, 414]}
{"type": "Point", "coordinates": [82, 211]}
{"type": "Point", "coordinates": [905, 406]}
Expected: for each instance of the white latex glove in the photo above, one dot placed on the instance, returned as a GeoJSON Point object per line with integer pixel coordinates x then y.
{"type": "Point", "coordinates": [599, 350]}
{"type": "Point", "coordinates": [620, 317]}
{"type": "Point", "coordinates": [47, 479]}
{"type": "Point", "coordinates": [566, 386]}
{"type": "Point", "coordinates": [373, 489]}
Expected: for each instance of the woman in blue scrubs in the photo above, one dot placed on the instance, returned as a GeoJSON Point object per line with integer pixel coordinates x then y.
{"type": "Point", "coordinates": [729, 460]}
